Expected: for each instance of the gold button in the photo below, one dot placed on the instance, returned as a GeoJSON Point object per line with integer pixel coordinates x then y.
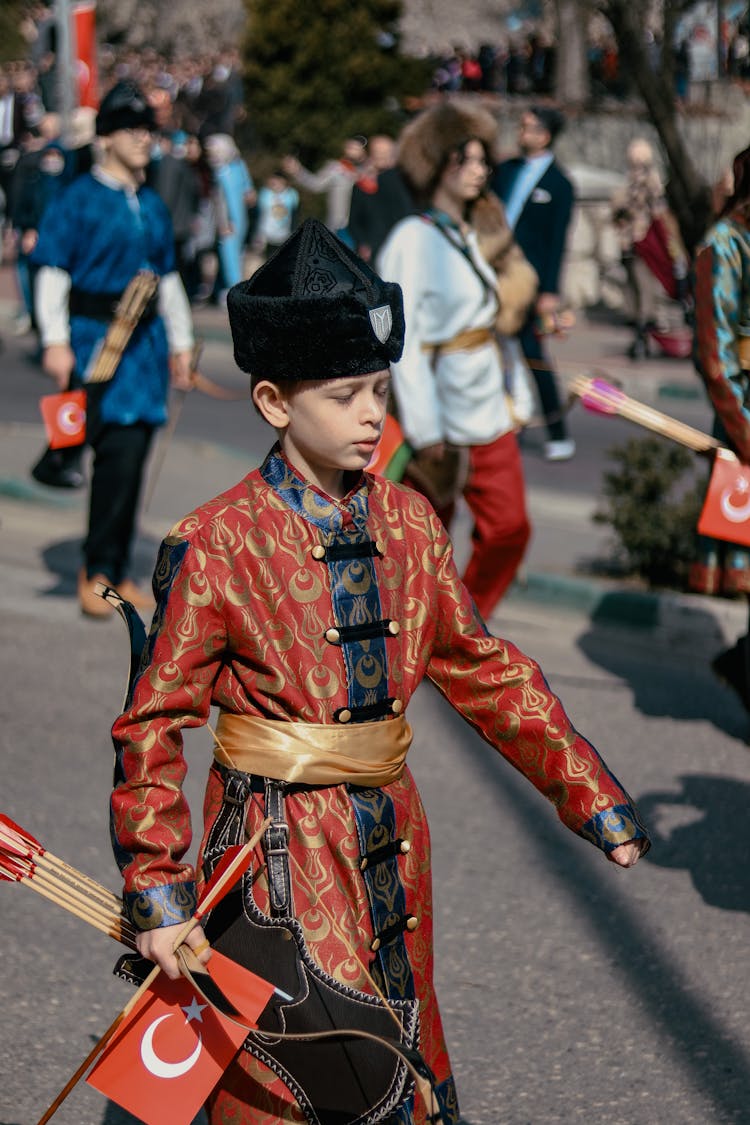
{"type": "Point", "coordinates": [397, 707]}
{"type": "Point", "coordinates": [345, 715]}
{"type": "Point", "coordinates": [318, 551]}
{"type": "Point", "coordinates": [333, 636]}
{"type": "Point", "coordinates": [375, 945]}
{"type": "Point", "coordinates": [412, 923]}
{"type": "Point", "coordinates": [380, 546]}
{"type": "Point", "coordinates": [405, 847]}
{"type": "Point", "coordinates": [364, 863]}
{"type": "Point", "coordinates": [394, 628]}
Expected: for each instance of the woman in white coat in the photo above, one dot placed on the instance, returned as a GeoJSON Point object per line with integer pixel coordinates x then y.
{"type": "Point", "coordinates": [450, 386]}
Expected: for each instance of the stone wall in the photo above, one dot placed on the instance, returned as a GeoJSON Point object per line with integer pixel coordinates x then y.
{"type": "Point", "coordinates": [593, 149]}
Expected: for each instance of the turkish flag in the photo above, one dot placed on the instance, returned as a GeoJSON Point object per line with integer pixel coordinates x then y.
{"type": "Point", "coordinates": [84, 22]}
{"type": "Point", "coordinates": [726, 509]}
{"type": "Point", "coordinates": [173, 1047]}
{"type": "Point", "coordinates": [64, 417]}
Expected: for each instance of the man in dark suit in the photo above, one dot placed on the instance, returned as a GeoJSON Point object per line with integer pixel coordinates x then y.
{"type": "Point", "coordinates": [538, 199]}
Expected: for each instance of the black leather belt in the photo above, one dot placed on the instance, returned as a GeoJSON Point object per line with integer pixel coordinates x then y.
{"type": "Point", "coordinates": [102, 306]}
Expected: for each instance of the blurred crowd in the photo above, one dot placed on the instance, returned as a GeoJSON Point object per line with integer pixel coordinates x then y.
{"type": "Point", "coordinates": [524, 64]}
{"type": "Point", "coordinates": [217, 211]}
{"type": "Point", "coordinates": [225, 223]}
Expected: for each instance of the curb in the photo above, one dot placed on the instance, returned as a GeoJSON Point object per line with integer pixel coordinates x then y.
{"type": "Point", "coordinates": [682, 618]}
{"type": "Point", "coordinates": [28, 491]}
{"type": "Point", "coordinates": [679, 616]}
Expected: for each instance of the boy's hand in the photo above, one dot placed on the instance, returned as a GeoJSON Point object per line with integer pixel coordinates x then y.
{"type": "Point", "coordinates": [627, 855]}
{"type": "Point", "coordinates": [157, 946]}
{"type": "Point", "coordinates": [58, 361]}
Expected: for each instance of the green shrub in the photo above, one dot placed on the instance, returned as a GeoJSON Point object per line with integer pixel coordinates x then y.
{"type": "Point", "coordinates": [319, 71]}
{"type": "Point", "coordinates": [654, 497]}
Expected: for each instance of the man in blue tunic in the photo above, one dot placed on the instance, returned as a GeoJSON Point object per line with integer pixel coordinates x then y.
{"type": "Point", "coordinates": [93, 240]}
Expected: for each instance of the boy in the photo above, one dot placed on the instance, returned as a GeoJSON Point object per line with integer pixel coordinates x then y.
{"type": "Point", "coordinates": [308, 602]}
{"type": "Point", "coordinates": [277, 210]}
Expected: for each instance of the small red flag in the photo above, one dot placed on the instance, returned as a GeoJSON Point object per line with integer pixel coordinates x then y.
{"type": "Point", "coordinates": [726, 509]}
{"type": "Point", "coordinates": [392, 453]}
{"type": "Point", "coordinates": [173, 1047]}
{"type": "Point", "coordinates": [64, 418]}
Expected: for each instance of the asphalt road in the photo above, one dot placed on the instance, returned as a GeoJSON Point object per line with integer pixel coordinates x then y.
{"type": "Point", "coordinates": [571, 990]}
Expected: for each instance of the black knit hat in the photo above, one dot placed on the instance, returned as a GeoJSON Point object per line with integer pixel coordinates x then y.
{"type": "Point", "coordinates": [315, 311]}
{"type": "Point", "coordinates": [124, 107]}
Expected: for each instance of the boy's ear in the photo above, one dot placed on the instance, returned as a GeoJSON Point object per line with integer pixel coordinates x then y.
{"type": "Point", "coordinates": [271, 404]}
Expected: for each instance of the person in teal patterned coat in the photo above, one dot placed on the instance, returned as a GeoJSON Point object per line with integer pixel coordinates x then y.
{"type": "Point", "coordinates": [722, 358]}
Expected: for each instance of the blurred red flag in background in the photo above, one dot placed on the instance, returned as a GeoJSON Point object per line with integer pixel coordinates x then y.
{"type": "Point", "coordinates": [84, 28]}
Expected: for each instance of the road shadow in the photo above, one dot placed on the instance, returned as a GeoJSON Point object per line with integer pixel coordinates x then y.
{"type": "Point", "coordinates": [63, 561]}
{"type": "Point", "coordinates": [657, 985]}
{"type": "Point", "coordinates": [685, 689]}
{"type": "Point", "coordinates": [710, 840]}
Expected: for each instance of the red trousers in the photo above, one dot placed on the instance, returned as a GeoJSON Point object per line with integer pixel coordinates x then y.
{"type": "Point", "coordinates": [496, 495]}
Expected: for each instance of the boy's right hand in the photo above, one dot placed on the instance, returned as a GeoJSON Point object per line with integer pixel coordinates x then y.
{"type": "Point", "coordinates": [158, 945]}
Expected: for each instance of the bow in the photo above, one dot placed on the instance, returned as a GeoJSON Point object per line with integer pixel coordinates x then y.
{"type": "Point", "coordinates": [198, 382]}
{"type": "Point", "coordinates": [206, 386]}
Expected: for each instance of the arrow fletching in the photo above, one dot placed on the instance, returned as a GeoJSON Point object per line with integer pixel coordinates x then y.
{"type": "Point", "coordinates": [14, 868]}
{"type": "Point", "coordinates": [12, 832]}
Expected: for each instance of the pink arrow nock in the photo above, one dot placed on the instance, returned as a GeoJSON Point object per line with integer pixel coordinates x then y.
{"type": "Point", "coordinates": [602, 390]}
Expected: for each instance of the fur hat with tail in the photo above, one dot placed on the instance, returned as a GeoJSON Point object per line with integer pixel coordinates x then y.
{"type": "Point", "coordinates": [427, 142]}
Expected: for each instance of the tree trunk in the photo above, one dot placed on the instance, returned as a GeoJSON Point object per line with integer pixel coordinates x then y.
{"type": "Point", "coordinates": [571, 70]}
{"type": "Point", "coordinates": [689, 195]}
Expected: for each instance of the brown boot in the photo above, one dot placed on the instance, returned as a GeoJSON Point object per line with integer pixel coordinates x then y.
{"type": "Point", "coordinates": [141, 599]}
{"type": "Point", "coordinates": [91, 604]}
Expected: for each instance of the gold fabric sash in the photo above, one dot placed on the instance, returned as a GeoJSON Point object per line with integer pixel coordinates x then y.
{"type": "Point", "coordinates": [467, 341]}
{"type": "Point", "coordinates": [370, 754]}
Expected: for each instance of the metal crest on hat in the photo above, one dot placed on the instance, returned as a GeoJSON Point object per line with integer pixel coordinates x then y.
{"type": "Point", "coordinates": [381, 320]}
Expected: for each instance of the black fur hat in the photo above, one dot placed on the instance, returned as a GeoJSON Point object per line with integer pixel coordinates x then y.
{"type": "Point", "coordinates": [315, 311]}
{"type": "Point", "coordinates": [124, 107]}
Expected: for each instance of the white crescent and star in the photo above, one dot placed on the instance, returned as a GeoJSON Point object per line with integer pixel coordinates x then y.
{"type": "Point", "coordinates": [70, 418]}
{"type": "Point", "coordinates": [736, 513]}
{"type": "Point", "coordinates": [158, 1066]}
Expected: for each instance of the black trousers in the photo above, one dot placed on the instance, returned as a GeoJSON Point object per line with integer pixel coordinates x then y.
{"type": "Point", "coordinates": [544, 377]}
{"type": "Point", "coordinates": [120, 454]}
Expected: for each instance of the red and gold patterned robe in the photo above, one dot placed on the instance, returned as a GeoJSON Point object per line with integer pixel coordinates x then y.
{"type": "Point", "coordinates": [246, 609]}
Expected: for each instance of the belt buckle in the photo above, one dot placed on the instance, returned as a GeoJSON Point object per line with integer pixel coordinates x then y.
{"type": "Point", "coordinates": [275, 829]}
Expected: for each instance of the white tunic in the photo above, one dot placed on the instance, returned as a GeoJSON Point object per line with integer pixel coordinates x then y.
{"type": "Point", "coordinates": [459, 396]}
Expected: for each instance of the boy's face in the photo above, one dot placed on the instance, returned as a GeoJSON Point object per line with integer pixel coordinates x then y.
{"type": "Point", "coordinates": [332, 427]}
